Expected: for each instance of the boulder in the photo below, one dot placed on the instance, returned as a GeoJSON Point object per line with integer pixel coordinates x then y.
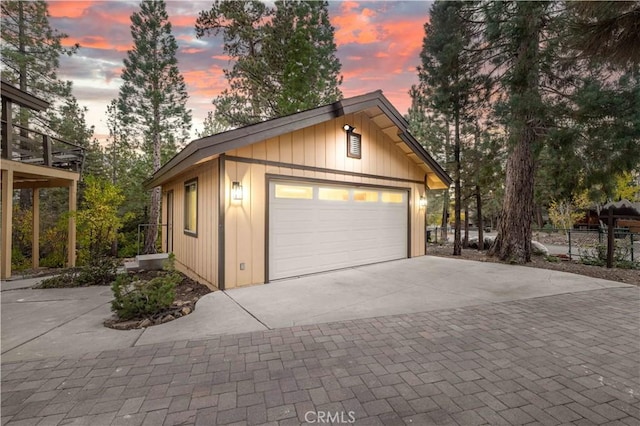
{"type": "Point", "coordinates": [539, 249]}
{"type": "Point", "coordinates": [488, 240]}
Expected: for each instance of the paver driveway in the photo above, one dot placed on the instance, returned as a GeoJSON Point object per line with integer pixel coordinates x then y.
{"type": "Point", "coordinates": [569, 358]}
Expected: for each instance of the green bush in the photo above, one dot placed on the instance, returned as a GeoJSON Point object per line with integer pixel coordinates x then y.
{"type": "Point", "coordinates": [101, 271]}
{"type": "Point", "coordinates": [596, 255]}
{"type": "Point", "coordinates": [19, 262]}
{"type": "Point", "coordinates": [135, 298]}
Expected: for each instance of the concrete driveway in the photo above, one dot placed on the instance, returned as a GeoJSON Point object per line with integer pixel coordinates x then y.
{"type": "Point", "coordinates": [59, 322]}
{"type": "Point", "coordinates": [405, 286]}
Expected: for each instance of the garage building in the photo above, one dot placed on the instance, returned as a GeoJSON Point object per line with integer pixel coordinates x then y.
{"type": "Point", "coordinates": [336, 186]}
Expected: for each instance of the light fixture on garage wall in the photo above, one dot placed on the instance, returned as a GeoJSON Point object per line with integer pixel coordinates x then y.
{"type": "Point", "coordinates": [236, 191]}
{"type": "Point", "coordinates": [423, 202]}
{"type": "Point", "coordinates": [354, 142]}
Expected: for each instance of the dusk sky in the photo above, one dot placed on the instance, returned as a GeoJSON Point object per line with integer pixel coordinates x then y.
{"type": "Point", "coordinates": [378, 43]}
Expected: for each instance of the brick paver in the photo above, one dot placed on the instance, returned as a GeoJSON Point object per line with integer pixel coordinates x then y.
{"type": "Point", "coordinates": [571, 358]}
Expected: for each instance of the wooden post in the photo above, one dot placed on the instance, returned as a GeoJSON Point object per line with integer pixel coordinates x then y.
{"type": "Point", "coordinates": [7, 217]}
{"type": "Point", "coordinates": [35, 241]}
{"type": "Point", "coordinates": [610, 239]}
{"type": "Point", "coordinates": [7, 129]}
{"type": "Point", "coordinates": [71, 245]}
{"type": "Point", "coordinates": [46, 150]}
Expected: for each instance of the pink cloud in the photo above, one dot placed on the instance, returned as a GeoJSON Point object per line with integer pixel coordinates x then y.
{"type": "Point", "coordinates": [95, 42]}
{"type": "Point", "coordinates": [68, 9]}
{"type": "Point", "coordinates": [192, 50]}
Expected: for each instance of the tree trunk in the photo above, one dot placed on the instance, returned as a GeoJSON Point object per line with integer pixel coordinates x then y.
{"type": "Point", "coordinates": [457, 243]}
{"type": "Point", "coordinates": [480, 221]}
{"type": "Point", "coordinates": [154, 207]}
{"type": "Point", "coordinates": [465, 242]}
{"type": "Point", "coordinates": [25, 194]}
{"type": "Point", "coordinates": [539, 220]}
{"type": "Point", "coordinates": [513, 242]}
{"type": "Point", "coordinates": [445, 219]}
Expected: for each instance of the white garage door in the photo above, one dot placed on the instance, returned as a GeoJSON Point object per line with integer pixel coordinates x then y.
{"type": "Point", "coordinates": [315, 227]}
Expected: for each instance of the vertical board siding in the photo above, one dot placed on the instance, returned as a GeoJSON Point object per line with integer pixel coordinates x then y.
{"type": "Point", "coordinates": [322, 145]}
{"type": "Point", "coordinates": [196, 256]}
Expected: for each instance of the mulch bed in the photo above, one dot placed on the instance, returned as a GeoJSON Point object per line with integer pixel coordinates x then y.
{"type": "Point", "coordinates": [188, 292]}
{"type": "Point", "coordinates": [627, 276]}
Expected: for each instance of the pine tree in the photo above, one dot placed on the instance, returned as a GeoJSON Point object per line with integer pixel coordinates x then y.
{"type": "Point", "coordinates": [31, 49]}
{"type": "Point", "coordinates": [284, 58]}
{"type": "Point", "coordinates": [515, 30]}
{"type": "Point", "coordinates": [153, 96]}
{"type": "Point", "coordinates": [212, 125]}
{"type": "Point", "coordinates": [609, 30]}
{"type": "Point", "coordinates": [301, 54]}
{"type": "Point", "coordinates": [449, 79]}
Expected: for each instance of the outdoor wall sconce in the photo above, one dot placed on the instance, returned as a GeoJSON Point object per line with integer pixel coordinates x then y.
{"type": "Point", "coordinates": [236, 191]}
{"type": "Point", "coordinates": [354, 142]}
{"type": "Point", "coordinates": [423, 202]}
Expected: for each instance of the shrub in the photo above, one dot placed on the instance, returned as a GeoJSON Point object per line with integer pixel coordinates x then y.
{"type": "Point", "coordinates": [19, 262]}
{"type": "Point", "coordinates": [135, 298]}
{"type": "Point", "coordinates": [596, 255]}
{"type": "Point", "coordinates": [101, 271]}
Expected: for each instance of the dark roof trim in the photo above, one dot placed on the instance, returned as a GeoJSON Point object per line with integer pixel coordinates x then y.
{"type": "Point", "coordinates": [243, 136]}
{"type": "Point", "coordinates": [22, 98]}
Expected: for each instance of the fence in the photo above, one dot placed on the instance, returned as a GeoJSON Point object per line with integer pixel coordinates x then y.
{"type": "Point", "coordinates": [591, 245]}
{"type": "Point", "coordinates": [435, 234]}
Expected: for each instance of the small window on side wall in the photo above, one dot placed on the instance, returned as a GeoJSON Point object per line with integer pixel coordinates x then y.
{"type": "Point", "coordinates": [191, 207]}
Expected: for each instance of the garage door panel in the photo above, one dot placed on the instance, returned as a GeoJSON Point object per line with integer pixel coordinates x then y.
{"type": "Point", "coordinates": [313, 235]}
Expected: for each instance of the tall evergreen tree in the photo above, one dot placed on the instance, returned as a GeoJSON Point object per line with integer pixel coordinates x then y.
{"type": "Point", "coordinates": [153, 96]}
{"type": "Point", "coordinates": [31, 49]}
{"type": "Point", "coordinates": [516, 31]}
{"type": "Point", "coordinates": [449, 78]}
{"type": "Point", "coordinates": [284, 58]}
{"type": "Point", "coordinates": [300, 52]}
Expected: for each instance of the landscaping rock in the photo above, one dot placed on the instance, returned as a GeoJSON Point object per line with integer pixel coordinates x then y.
{"type": "Point", "coordinates": [125, 325]}
{"type": "Point", "coordinates": [146, 323]}
{"type": "Point", "coordinates": [473, 242]}
{"type": "Point", "coordinates": [185, 311]}
{"type": "Point", "coordinates": [538, 249]}
{"type": "Point", "coordinates": [167, 319]}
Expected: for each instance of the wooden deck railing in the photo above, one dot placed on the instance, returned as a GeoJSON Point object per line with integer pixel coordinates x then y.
{"type": "Point", "coordinates": [31, 146]}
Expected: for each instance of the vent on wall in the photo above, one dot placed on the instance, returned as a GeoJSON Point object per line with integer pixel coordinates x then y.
{"type": "Point", "coordinates": [354, 145]}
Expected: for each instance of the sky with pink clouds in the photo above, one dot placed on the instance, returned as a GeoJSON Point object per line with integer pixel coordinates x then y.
{"type": "Point", "coordinates": [378, 43]}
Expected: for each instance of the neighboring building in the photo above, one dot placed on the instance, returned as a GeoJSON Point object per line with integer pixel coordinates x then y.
{"type": "Point", "coordinates": [298, 195]}
{"type": "Point", "coordinates": [33, 160]}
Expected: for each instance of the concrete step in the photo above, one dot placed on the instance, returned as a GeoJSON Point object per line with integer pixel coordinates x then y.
{"type": "Point", "coordinates": [151, 262]}
{"type": "Point", "coordinates": [131, 266]}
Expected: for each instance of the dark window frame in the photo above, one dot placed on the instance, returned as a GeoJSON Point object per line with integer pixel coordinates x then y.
{"type": "Point", "coordinates": [190, 232]}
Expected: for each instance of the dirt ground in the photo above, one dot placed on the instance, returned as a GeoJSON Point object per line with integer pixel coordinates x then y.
{"type": "Point", "coordinates": [628, 276]}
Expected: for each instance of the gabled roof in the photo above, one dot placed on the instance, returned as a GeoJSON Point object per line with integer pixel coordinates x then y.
{"type": "Point", "coordinates": [210, 146]}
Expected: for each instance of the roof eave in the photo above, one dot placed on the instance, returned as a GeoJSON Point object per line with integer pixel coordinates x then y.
{"type": "Point", "coordinates": [222, 142]}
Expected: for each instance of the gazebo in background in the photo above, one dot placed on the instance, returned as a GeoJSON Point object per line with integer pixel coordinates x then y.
{"type": "Point", "coordinates": [33, 160]}
{"type": "Point", "coordinates": [621, 213]}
